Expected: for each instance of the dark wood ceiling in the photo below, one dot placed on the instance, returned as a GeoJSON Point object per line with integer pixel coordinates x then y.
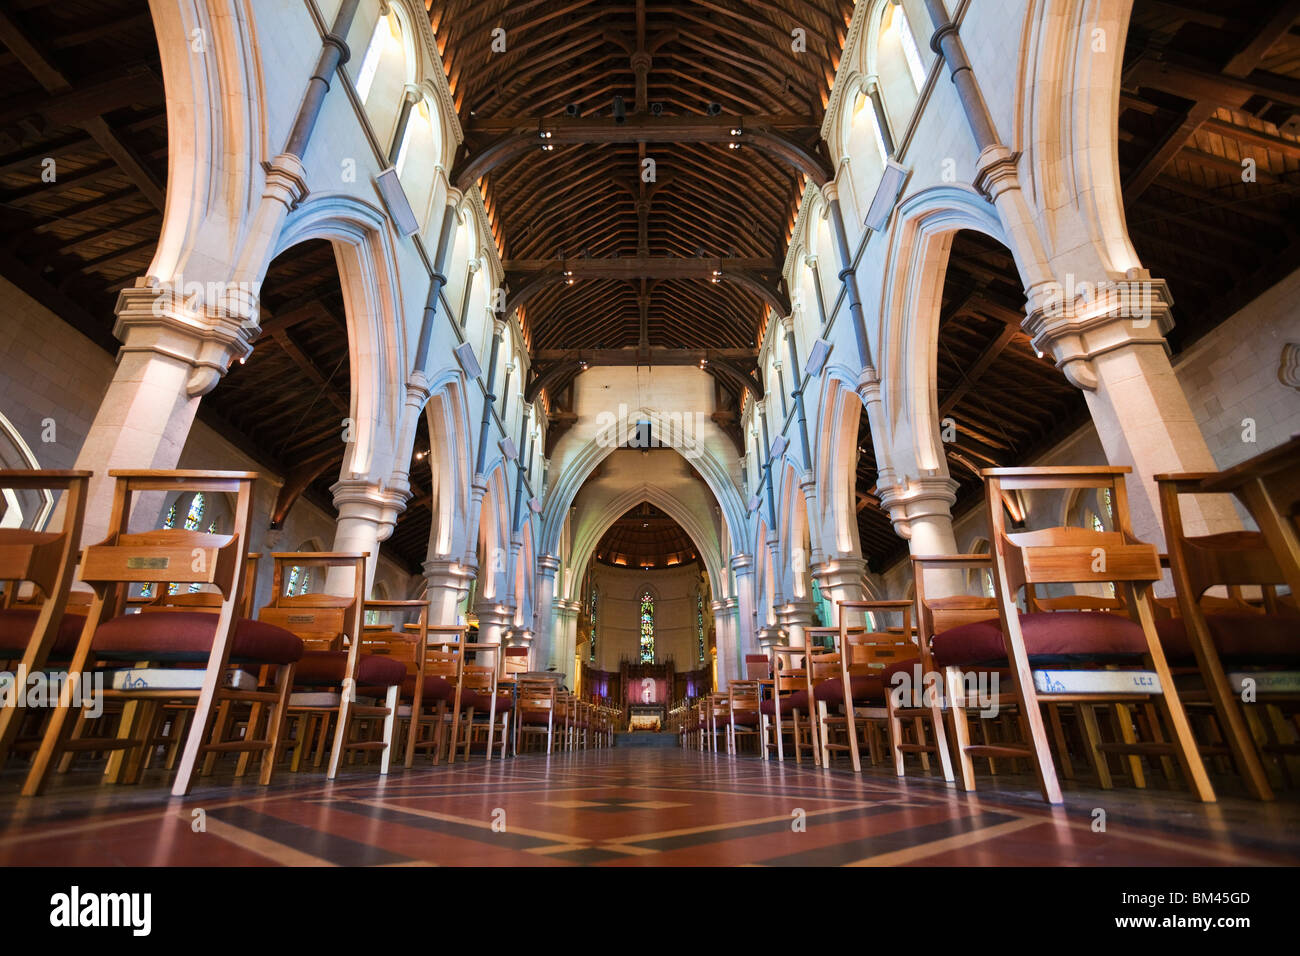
{"type": "Point", "coordinates": [1206, 86]}
{"type": "Point", "coordinates": [646, 537]}
{"type": "Point", "coordinates": [571, 59]}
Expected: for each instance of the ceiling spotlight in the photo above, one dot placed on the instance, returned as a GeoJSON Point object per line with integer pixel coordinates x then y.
{"type": "Point", "coordinates": [656, 109]}
{"type": "Point", "coordinates": [620, 110]}
{"type": "Point", "coordinates": [583, 366]}
{"type": "Point", "coordinates": [571, 109]}
{"type": "Point", "coordinates": [713, 109]}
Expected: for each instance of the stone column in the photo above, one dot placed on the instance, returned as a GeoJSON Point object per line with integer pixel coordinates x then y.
{"type": "Point", "coordinates": [494, 621]}
{"type": "Point", "coordinates": [841, 578]}
{"type": "Point", "coordinates": [742, 566]}
{"type": "Point", "coordinates": [726, 658]}
{"type": "Point", "coordinates": [921, 511]}
{"type": "Point", "coordinates": [447, 584]}
{"type": "Point", "coordinates": [367, 515]}
{"type": "Point", "coordinates": [1110, 342]}
{"type": "Point", "coordinates": [564, 646]}
{"type": "Point", "coordinates": [548, 565]}
{"type": "Point", "coordinates": [723, 619]}
{"type": "Point", "coordinates": [170, 358]}
{"type": "Point", "coordinates": [794, 617]}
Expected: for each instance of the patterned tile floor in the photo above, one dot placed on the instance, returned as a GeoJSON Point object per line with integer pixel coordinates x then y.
{"type": "Point", "coordinates": [629, 807]}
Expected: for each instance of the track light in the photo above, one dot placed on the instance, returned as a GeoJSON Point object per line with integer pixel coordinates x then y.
{"type": "Point", "coordinates": [620, 110]}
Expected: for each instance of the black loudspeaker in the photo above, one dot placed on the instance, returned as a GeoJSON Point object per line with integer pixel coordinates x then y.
{"type": "Point", "coordinates": [571, 109]}
{"type": "Point", "coordinates": [620, 111]}
{"type": "Point", "coordinates": [713, 109]}
{"type": "Point", "coordinates": [657, 109]}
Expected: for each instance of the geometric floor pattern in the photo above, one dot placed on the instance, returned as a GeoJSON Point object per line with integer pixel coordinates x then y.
{"type": "Point", "coordinates": [630, 807]}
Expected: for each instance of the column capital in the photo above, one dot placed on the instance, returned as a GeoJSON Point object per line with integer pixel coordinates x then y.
{"type": "Point", "coordinates": [732, 603]}
{"type": "Point", "coordinates": [923, 497]}
{"type": "Point", "coordinates": [831, 192]}
{"type": "Point", "coordinates": [548, 565]}
{"type": "Point", "coordinates": [742, 564]}
{"type": "Point", "coordinates": [839, 570]}
{"type": "Point", "coordinates": [718, 607]}
{"type": "Point", "coordinates": [996, 171]}
{"type": "Point", "coordinates": [521, 636]}
{"type": "Point", "coordinates": [769, 635]}
{"type": "Point", "coordinates": [365, 500]}
{"type": "Point", "coordinates": [286, 180]}
{"type": "Point", "coordinates": [797, 613]}
{"type": "Point", "coordinates": [1080, 319]}
{"type": "Point", "coordinates": [208, 336]}
{"type": "Point", "coordinates": [869, 386]}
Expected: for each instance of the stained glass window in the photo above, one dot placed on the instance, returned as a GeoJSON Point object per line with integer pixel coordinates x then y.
{"type": "Point", "coordinates": [212, 528]}
{"type": "Point", "coordinates": [592, 643]}
{"type": "Point", "coordinates": [299, 579]}
{"type": "Point", "coordinates": [647, 628]}
{"type": "Point", "coordinates": [195, 514]}
{"type": "Point", "coordinates": [699, 620]}
{"type": "Point", "coordinates": [170, 521]}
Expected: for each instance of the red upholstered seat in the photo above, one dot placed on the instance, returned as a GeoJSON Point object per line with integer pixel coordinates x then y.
{"type": "Point", "coordinates": [186, 636]}
{"type": "Point", "coordinates": [435, 689]}
{"type": "Point", "coordinates": [534, 717]}
{"type": "Point", "coordinates": [796, 701]}
{"type": "Point", "coordinates": [865, 687]}
{"type": "Point", "coordinates": [1239, 638]}
{"type": "Point", "coordinates": [317, 668]}
{"type": "Point", "coordinates": [481, 702]}
{"type": "Point", "coordinates": [746, 718]}
{"type": "Point", "coordinates": [1051, 637]}
{"type": "Point", "coordinates": [16, 630]}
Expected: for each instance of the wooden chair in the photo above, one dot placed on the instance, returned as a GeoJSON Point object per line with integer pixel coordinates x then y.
{"type": "Point", "coordinates": [46, 559]}
{"type": "Point", "coordinates": [535, 711]}
{"type": "Point", "coordinates": [717, 718]}
{"type": "Point", "coordinates": [789, 707]}
{"type": "Point", "coordinates": [477, 694]}
{"type": "Point", "coordinates": [172, 635]}
{"type": "Point", "coordinates": [434, 689]}
{"type": "Point", "coordinates": [859, 689]}
{"type": "Point", "coordinates": [405, 647]}
{"type": "Point", "coordinates": [1102, 657]}
{"type": "Point", "coordinates": [744, 698]}
{"type": "Point", "coordinates": [1259, 645]}
{"type": "Point", "coordinates": [333, 668]}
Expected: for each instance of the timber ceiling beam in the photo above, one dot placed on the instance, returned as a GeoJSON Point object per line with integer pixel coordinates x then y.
{"type": "Point", "coordinates": [538, 134]}
{"type": "Point", "coordinates": [56, 83]}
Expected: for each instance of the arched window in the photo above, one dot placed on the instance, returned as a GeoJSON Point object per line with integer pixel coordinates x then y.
{"type": "Point", "coordinates": [591, 655]}
{"type": "Point", "coordinates": [195, 513]}
{"type": "Point", "coordinates": [899, 66]}
{"type": "Point", "coordinates": [299, 581]}
{"type": "Point", "coordinates": [647, 627]}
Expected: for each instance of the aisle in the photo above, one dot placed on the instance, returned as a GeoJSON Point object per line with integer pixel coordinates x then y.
{"type": "Point", "coordinates": [630, 807]}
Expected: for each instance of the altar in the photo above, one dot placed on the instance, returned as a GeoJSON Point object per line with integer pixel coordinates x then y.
{"type": "Point", "coordinates": [646, 718]}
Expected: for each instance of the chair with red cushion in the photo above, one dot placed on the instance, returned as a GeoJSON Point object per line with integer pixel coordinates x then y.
{"type": "Point", "coordinates": [32, 635]}
{"type": "Point", "coordinates": [1232, 644]}
{"type": "Point", "coordinates": [172, 635]}
{"type": "Point", "coordinates": [432, 688]}
{"type": "Point", "coordinates": [857, 690]}
{"type": "Point", "coordinates": [479, 696]}
{"type": "Point", "coordinates": [334, 666]}
{"type": "Point", "coordinates": [1080, 657]}
{"type": "Point", "coordinates": [743, 717]}
{"type": "Point", "coordinates": [788, 710]}
{"type": "Point", "coordinates": [535, 712]}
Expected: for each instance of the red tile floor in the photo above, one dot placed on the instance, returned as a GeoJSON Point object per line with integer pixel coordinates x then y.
{"type": "Point", "coordinates": [629, 807]}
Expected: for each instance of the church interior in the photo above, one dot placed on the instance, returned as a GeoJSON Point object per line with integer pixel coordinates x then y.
{"type": "Point", "coordinates": [650, 433]}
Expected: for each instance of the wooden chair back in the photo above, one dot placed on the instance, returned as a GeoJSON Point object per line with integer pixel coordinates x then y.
{"type": "Point", "coordinates": [323, 621]}
{"type": "Point", "coordinates": [757, 667]}
{"type": "Point", "coordinates": [1066, 555]}
{"type": "Point", "coordinates": [1200, 562]}
{"type": "Point", "coordinates": [867, 651]}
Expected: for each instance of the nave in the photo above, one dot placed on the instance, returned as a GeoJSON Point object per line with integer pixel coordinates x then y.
{"type": "Point", "coordinates": [638, 806]}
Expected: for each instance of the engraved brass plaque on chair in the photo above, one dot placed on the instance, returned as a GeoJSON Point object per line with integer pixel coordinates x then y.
{"type": "Point", "coordinates": [151, 564]}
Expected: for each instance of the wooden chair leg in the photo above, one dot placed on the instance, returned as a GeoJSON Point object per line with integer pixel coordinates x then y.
{"type": "Point", "coordinates": [1062, 747]}
{"type": "Point", "coordinates": [960, 728]}
{"type": "Point", "coordinates": [1092, 740]}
